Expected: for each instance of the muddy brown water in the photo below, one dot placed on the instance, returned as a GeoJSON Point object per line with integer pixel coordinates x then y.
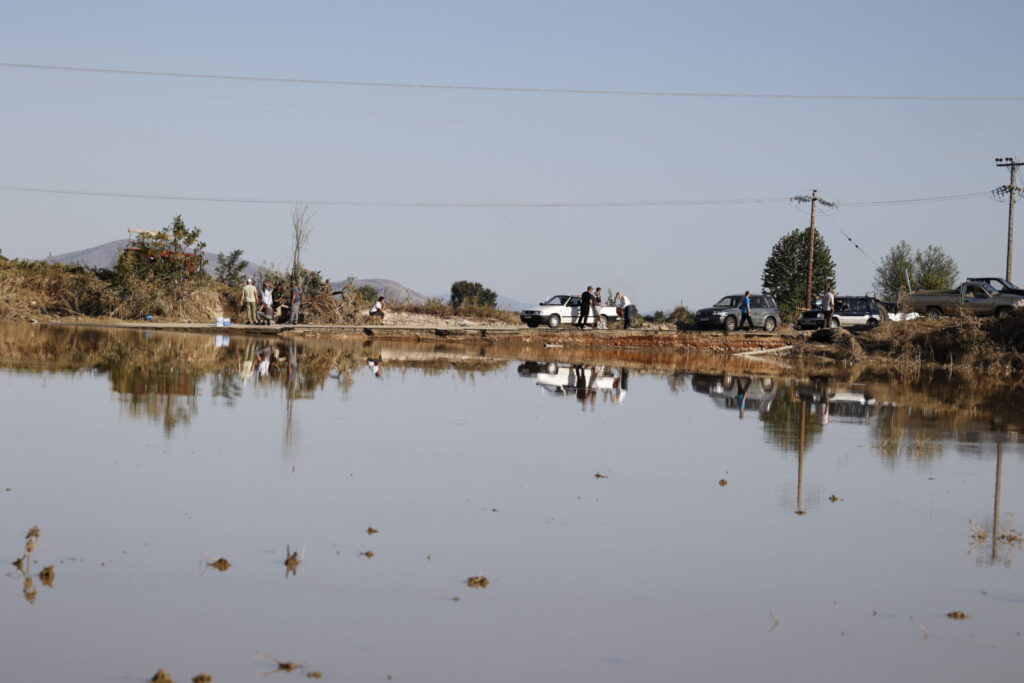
{"type": "Point", "coordinates": [859, 513]}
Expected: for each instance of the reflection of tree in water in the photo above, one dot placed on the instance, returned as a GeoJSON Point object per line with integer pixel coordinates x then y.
{"type": "Point", "coordinates": [898, 430]}
{"type": "Point", "coordinates": [782, 421]}
{"type": "Point", "coordinates": [226, 384]}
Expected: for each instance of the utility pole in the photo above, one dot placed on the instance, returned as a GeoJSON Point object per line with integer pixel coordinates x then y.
{"type": "Point", "coordinates": [1011, 190]}
{"type": "Point", "coordinates": [814, 199]}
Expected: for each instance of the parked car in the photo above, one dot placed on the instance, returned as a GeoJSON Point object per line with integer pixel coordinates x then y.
{"type": "Point", "coordinates": [563, 308]}
{"type": "Point", "coordinates": [850, 311]}
{"type": "Point", "coordinates": [726, 313]}
{"type": "Point", "coordinates": [975, 297]}
{"type": "Point", "coordinates": [999, 284]}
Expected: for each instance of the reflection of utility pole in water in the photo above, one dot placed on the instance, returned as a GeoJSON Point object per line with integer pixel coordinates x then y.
{"type": "Point", "coordinates": [996, 501]}
{"type": "Point", "coordinates": [291, 382]}
{"type": "Point", "coordinates": [800, 460]}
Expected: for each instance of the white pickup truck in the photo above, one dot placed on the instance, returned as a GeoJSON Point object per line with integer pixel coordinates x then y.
{"type": "Point", "coordinates": [564, 308]}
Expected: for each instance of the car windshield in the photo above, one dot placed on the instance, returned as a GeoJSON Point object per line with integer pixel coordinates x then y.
{"type": "Point", "coordinates": [556, 300]}
{"type": "Point", "coordinates": [987, 287]}
{"type": "Point", "coordinates": [728, 302]}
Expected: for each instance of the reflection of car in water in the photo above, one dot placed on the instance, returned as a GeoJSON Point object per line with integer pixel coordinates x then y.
{"type": "Point", "coordinates": [729, 391]}
{"type": "Point", "coordinates": [580, 381]}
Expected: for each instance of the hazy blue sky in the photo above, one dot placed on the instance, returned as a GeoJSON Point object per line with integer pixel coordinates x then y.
{"type": "Point", "coordinates": [129, 134]}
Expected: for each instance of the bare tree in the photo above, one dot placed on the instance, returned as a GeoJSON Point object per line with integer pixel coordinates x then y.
{"type": "Point", "coordinates": [302, 227]}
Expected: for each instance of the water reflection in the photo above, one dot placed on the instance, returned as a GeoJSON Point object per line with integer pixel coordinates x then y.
{"type": "Point", "coordinates": [584, 382]}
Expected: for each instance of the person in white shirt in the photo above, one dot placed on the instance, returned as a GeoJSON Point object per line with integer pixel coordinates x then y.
{"type": "Point", "coordinates": [378, 308]}
{"type": "Point", "coordinates": [828, 304]}
{"type": "Point", "coordinates": [623, 303]}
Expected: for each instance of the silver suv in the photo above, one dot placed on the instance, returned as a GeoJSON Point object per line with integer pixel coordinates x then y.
{"type": "Point", "coordinates": [726, 313]}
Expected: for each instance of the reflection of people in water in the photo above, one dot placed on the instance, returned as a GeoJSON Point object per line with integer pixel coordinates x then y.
{"type": "Point", "coordinates": [742, 385]}
{"type": "Point", "coordinates": [263, 364]}
{"type": "Point", "coordinates": [621, 385]}
{"type": "Point", "coordinates": [375, 365]}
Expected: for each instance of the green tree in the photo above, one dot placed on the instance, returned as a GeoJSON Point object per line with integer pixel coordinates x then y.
{"type": "Point", "coordinates": [930, 268]}
{"type": "Point", "coordinates": [891, 275]}
{"type": "Point", "coordinates": [472, 294]}
{"type": "Point", "coordinates": [231, 267]}
{"type": "Point", "coordinates": [366, 293]}
{"type": "Point", "coordinates": [785, 271]}
{"type": "Point", "coordinates": [935, 269]}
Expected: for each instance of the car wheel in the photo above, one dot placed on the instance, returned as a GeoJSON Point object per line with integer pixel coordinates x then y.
{"type": "Point", "coordinates": [554, 320]}
{"type": "Point", "coordinates": [1003, 312]}
{"type": "Point", "coordinates": [730, 324]}
{"type": "Point", "coordinates": [835, 323]}
{"type": "Point", "coordinates": [872, 322]}
{"type": "Point", "coordinates": [532, 323]}
{"type": "Point", "coordinates": [603, 321]}
{"type": "Point", "coordinates": [769, 324]}
{"type": "Point", "coordinates": [934, 313]}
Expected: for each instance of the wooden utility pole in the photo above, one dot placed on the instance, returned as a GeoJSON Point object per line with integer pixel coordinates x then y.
{"type": "Point", "coordinates": [1011, 190]}
{"type": "Point", "coordinates": [814, 200]}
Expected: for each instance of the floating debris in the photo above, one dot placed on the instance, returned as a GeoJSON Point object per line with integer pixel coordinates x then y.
{"type": "Point", "coordinates": [723, 482]}
{"type": "Point", "coordinates": [28, 590]}
{"type": "Point", "coordinates": [598, 475]}
{"type": "Point", "coordinates": [161, 676]}
{"type": "Point", "coordinates": [1011, 536]}
{"type": "Point", "coordinates": [367, 554]}
{"type": "Point", "coordinates": [314, 674]}
{"type": "Point", "coordinates": [202, 678]}
{"type": "Point", "coordinates": [978, 533]}
{"type": "Point", "coordinates": [21, 564]}
{"type": "Point", "coordinates": [834, 498]}
{"type": "Point", "coordinates": [455, 598]}
{"type": "Point", "coordinates": [33, 532]}
{"type": "Point", "coordinates": [221, 565]}
{"type": "Point", "coordinates": [800, 512]}
{"type": "Point", "coordinates": [30, 544]}
{"type": "Point", "coordinates": [371, 531]}
{"type": "Point", "coordinates": [291, 561]}
{"type": "Point", "coordinates": [46, 576]}
{"type": "Point", "coordinates": [957, 615]}
{"type": "Point", "coordinates": [477, 582]}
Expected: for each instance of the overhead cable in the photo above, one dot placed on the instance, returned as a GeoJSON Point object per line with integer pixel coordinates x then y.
{"type": "Point", "coordinates": [395, 204]}
{"type": "Point", "coordinates": [509, 89]}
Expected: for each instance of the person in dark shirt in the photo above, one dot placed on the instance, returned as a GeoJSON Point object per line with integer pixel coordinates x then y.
{"type": "Point", "coordinates": [586, 301]}
{"type": "Point", "coordinates": [745, 311]}
{"type": "Point", "coordinates": [295, 303]}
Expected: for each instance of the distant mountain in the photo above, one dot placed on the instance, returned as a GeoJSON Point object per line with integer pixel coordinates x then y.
{"type": "Point", "coordinates": [105, 256]}
{"type": "Point", "coordinates": [389, 289]}
{"type": "Point", "coordinates": [102, 256]}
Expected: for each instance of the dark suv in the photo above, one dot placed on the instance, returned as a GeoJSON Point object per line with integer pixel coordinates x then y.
{"type": "Point", "coordinates": [726, 313]}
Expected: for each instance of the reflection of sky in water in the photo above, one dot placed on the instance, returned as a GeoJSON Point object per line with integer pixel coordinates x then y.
{"type": "Point", "coordinates": [140, 464]}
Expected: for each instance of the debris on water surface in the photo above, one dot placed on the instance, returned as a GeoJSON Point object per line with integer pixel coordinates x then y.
{"type": "Point", "coordinates": [33, 532]}
{"type": "Point", "coordinates": [30, 544]}
{"type": "Point", "coordinates": [291, 560]}
{"type": "Point", "coordinates": [283, 665]}
{"type": "Point", "coordinates": [46, 576]}
{"type": "Point", "coordinates": [161, 676]}
{"type": "Point", "coordinates": [314, 674]}
{"type": "Point", "coordinates": [368, 554]}
{"type": "Point", "coordinates": [800, 512]}
{"type": "Point", "coordinates": [221, 565]}
{"type": "Point", "coordinates": [1011, 536]}
{"type": "Point", "coordinates": [957, 615]}
{"type": "Point", "coordinates": [202, 678]}
{"type": "Point", "coordinates": [723, 482]}
{"type": "Point", "coordinates": [598, 475]}
{"type": "Point", "coordinates": [370, 531]}
{"type": "Point", "coordinates": [978, 533]}
{"type": "Point", "coordinates": [455, 599]}
{"type": "Point", "coordinates": [21, 564]}
{"type": "Point", "coordinates": [834, 498]}
{"type": "Point", "coordinates": [477, 582]}
{"type": "Point", "coordinates": [28, 590]}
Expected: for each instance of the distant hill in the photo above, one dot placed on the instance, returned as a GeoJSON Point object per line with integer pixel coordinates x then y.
{"type": "Point", "coordinates": [105, 256]}
{"type": "Point", "coordinates": [389, 289]}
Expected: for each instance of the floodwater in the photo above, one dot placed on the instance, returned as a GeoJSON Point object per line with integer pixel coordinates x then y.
{"type": "Point", "coordinates": [636, 518]}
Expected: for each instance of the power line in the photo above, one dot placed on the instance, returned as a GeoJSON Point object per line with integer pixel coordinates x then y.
{"type": "Point", "coordinates": [921, 200]}
{"type": "Point", "coordinates": [464, 205]}
{"type": "Point", "coordinates": [508, 89]}
{"type": "Point", "coordinates": [387, 204]}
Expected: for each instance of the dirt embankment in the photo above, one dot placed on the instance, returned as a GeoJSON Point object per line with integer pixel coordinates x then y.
{"type": "Point", "coordinates": [991, 346]}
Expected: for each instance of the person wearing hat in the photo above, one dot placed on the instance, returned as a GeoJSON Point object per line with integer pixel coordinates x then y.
{"type": "Point", "coordinates": [249, 296]}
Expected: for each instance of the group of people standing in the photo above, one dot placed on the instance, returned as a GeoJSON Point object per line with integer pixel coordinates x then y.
{"type": "Point", "coordinates": [591, 302]}
{"type": "Point", "coordinates": [259, 307]}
